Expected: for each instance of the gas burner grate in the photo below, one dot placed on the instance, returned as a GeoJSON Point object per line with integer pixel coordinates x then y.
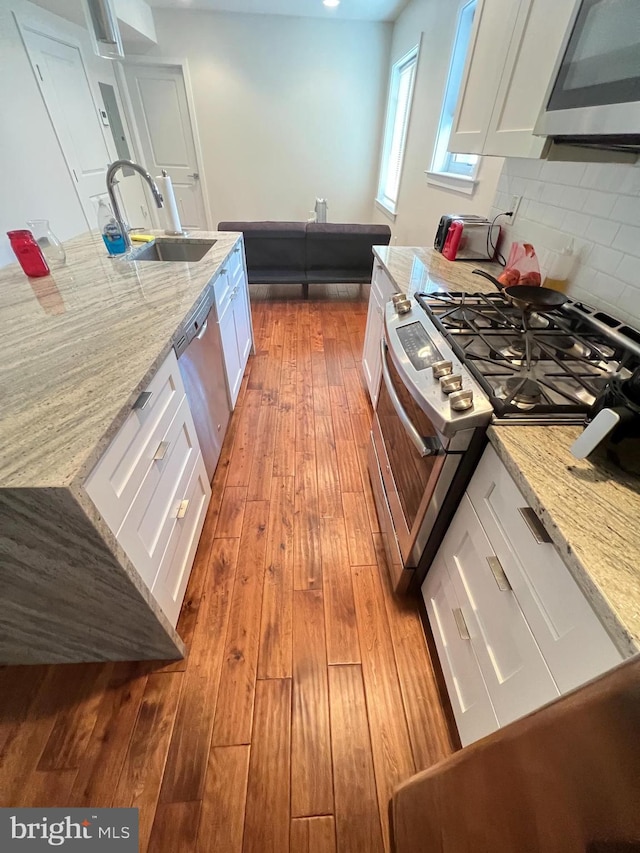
{"type": "Point", "coordinates": [546, 363]}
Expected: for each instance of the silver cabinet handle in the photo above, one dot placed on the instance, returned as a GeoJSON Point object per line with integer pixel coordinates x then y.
{"type": "Point", "coordinates": [236, 250]}
{"type": "Point", "coordinates": [182, 509]}
{"type": "Point", "coordinates": [161, 452]}
{"type": "Point", "coordinates": [499, 574]}
{"type": "Point", "coordinates": [203, 330]}
{"type": "Point", "coordinates": [536, 528]}
{"type": "Point", "coordinates": [461, 625]}
{"type": "Point", "coordinates": [194, 175]}
{"type": "Point", "coordinates": [421, 446]}
{"type": "Point", "coordinates": [142, 400]}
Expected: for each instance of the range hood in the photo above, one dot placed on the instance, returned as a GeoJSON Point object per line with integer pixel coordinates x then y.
{"type": "Point", "coordinates": [594, 97]}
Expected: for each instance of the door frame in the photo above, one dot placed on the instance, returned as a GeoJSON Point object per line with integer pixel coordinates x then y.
{"type": "Point", "coordinates": [28, 22]}
{"type": "Point", "coordinates": [170, 62]}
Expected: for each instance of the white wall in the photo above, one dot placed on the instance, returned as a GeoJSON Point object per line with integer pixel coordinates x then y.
{"type": "Point", "coordinates": [287, 109]}
{"type": "Point", "coordinates": [598, 204]}
{"type": "Point", "coordinates": [420, 204]}
{"type": "Point", "coordinates": [34, 179]}
{"type": "Point", "coordinates": [35, 182]}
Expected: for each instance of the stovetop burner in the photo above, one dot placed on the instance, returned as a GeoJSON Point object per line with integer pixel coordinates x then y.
{"type": "Point", "coordinates": [551, 364]}
{"type": "Point", "coordinates": [522, 391]}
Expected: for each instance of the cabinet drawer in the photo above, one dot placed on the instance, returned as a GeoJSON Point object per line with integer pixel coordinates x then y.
{"type": "Point", "coordinates": [147, 527]}
{"type": "Point", "coordinates": [222, 288]}
{"type": "Point", "coordinates": [235, 266]}
{"type": "Point", "coordinates": [114, 482]}
{"type": "Point", "coordinates": [468, 693]}
{"type": "Point", "coordinates": [516, 675]}
{"type": "Point", "coordinates": [572, 639]}
{"type": "Point", "coordinates": [171, 581]}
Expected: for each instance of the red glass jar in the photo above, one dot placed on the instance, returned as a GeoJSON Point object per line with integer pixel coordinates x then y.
{"type": "Point", "coordinates": [28, 253]}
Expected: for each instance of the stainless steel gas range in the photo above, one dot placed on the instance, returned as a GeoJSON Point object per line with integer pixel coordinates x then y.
{"type": "Point", "coordinates": [455, 363]}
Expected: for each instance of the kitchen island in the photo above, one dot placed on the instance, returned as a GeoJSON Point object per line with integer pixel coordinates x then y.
{"type": "Point", "coordinates": [78, 348]}
{"type": "Point", "coordinates": [589, 508]}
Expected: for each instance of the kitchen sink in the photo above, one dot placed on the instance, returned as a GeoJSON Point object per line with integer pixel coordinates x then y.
{"type": "Point", "coordinates": [166, 249]}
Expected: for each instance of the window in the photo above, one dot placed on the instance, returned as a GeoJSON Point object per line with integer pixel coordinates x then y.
{"type": "Point", "coordinates": [444, 163]}
{"type": "Point", "coordinates": [396, 126]}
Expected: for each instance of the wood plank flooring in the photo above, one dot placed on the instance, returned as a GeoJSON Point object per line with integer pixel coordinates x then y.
{"type": "Point", "coordinates": [308, 691]}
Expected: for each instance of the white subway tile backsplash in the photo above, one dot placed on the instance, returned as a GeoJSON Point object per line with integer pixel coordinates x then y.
{"type": "Point", "coordinates": [602, 231]}
{"type": "Point", "coordinates": [608, 177]}
{"type": "Point", "coordinates": [595, 204]}
{"type": "Point", "coordinates": [629, 302]}
{"type": "Point", "coordinates": [627, 240]}
{"type": "Point", "coordinates": [604, 259]}
{"type": "Point", "coordinates": [598, 203]}
{"type": "Point", "coordinates": [609, 288]}
{"type": "Point", "coordinates": [627, 210]}
{"type": "Point", "coordinates": [563, 173]}
{"type": "Point", "coordinates": [576, 223]}
{"type": "Point", "coordinates": [629, 270]}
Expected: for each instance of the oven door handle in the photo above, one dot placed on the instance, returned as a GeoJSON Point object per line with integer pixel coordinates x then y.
{"type": "Point", "coordinates": [420, 444]}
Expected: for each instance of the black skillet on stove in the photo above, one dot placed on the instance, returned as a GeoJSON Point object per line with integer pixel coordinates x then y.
{"type": "Point", "coordinates": [527, 297]}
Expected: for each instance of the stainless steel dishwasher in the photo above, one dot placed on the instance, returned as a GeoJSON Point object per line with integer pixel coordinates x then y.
{"type": "Point", "coordinates": [200, 359]}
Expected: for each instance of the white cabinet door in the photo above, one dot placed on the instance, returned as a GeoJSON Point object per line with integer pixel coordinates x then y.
{"type": "Point", "coordinates": [148, 525]}
{"type": "Point", "coordinates": [175, 568]}
{"type": "Point", "coordinates": [535, 44]}
{"type": "Point", "coordinates": [232, 361]}
{"type": "Point", "coordinates": [382, 289]}
{"type": "Point", "coordinates": [516, 675]}
{"type": "Point", "coordinates": [574, 643]}
{"type": "Point", "coordinates": [468, 693]}
{"type": "Point", "coordinates": [242, 317]}
{"type": "Point", "coordinates": [493, 25]}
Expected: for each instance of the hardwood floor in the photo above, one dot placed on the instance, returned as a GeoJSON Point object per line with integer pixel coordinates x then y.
{"type": "Point", "coordinates": [308, 691]}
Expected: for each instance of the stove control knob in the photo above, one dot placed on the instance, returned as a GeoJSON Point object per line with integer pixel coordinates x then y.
{"type": "Point", "coordinates": [441, 368]}
{"type": "Point", "coordinates": [460, 401]}
{"type": "Point", "coordinates": [403, 306]}
{"type": "Point", "coordinates": [451, 383]}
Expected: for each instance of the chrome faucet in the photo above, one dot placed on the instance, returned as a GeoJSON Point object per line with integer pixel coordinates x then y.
{"type": "Point", "coordinates": [111, 171]}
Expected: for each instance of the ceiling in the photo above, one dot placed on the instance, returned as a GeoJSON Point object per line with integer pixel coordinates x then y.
{"type": "Point", "coordinates": [362, 10]}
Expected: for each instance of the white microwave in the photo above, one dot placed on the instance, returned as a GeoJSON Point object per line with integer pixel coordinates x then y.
{"type": "Point", "coordinates": [594, 96]}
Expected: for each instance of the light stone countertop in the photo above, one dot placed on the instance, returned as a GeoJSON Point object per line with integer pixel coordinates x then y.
{"type": "Point", "coordinates": [590, 509]}
{"type": "Point", "coordinates": [414, 269]}
{"type": "Point", "coordinates": [78, 347]}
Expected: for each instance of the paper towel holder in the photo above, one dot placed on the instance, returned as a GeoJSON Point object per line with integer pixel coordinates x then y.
{"type": "Point", "coordinates": [168, 231]}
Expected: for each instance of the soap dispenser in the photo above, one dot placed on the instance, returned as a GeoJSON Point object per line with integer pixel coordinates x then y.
{"type": "Point", "coordinates": [110, 229]}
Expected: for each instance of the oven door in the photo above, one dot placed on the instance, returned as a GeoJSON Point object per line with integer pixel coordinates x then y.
{"type": "Point", "coordinates": [411, 453]}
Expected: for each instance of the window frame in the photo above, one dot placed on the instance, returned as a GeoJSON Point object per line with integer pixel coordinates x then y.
{"type": "Point", "coordinates": [409, 60]}
{"type": "Point", "coordinates": [444, 170]}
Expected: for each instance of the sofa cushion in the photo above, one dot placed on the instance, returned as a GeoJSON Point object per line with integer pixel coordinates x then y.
{"type": "Point", "coordinates": [272, 246]}
{"type": "Point", "coordinates": [343, 247]}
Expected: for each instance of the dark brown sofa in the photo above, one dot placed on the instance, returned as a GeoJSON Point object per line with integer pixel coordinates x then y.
{"type": "Point", "coordinates": [309, 253]}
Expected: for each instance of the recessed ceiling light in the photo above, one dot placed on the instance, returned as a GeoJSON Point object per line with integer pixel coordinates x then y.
{"type": "Point", "coordinates": [331, 3]}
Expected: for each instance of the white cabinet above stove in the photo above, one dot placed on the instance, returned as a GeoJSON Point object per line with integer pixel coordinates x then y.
{"type": "Point", "coordinates": [512, 55]}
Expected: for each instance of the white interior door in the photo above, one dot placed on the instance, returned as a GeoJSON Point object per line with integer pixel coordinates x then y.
{"type": "Point", "coordinates": [63, 81]}
{"type": "Point", "coordinates": [160, 110]}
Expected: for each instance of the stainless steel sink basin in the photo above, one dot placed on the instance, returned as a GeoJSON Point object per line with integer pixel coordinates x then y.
{"type": "Point", "coordinates": [167, 249]}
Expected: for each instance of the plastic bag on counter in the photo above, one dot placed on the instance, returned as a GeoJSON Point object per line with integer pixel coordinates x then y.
{"type": "Point", "coordinates": [522, 266]}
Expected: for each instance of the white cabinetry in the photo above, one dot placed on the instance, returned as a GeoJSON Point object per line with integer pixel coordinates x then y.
{"type": "Point", "coordinates": [151, 488]}
{"type": "Point", "coordinates": [512, 55]}
{"type": "Point", "coordinates": [512, 628]}
{"type": "Point", "coordinates": [233, 310]}
{"type": "Point", "coordinates": [382, 289]}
